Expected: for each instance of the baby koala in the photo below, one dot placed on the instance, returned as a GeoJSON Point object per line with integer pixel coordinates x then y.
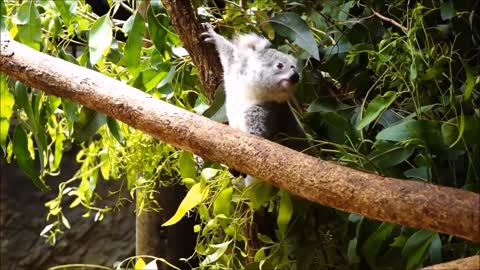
{"type": "Point", "coordinates": [258, 83]}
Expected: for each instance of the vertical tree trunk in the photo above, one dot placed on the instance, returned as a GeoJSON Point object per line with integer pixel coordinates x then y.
{"type": "Point", "coordinates": [204, 56]}
{"type": "Point", "coordinates": [174, 242]}
{"type": "Point", "coordinates": [170, 243]}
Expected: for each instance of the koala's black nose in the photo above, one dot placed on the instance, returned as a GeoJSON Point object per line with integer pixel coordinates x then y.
{"type": "Point", "coordinates": [295, 77]}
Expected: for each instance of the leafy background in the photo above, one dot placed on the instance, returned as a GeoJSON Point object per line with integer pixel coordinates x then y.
{"type": "Point", "coordinates": [388, 87]}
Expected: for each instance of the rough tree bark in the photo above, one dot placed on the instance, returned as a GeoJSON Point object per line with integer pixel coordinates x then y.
{"type": "Point", "coordinates": [204, 56]}
{"type": "Point", "coordinates": [469, 263]}
{"type": "Point", "coordinates": [447, 210]}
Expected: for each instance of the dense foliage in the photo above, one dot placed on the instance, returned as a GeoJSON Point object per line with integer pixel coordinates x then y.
{"type": "Point", "coordinates": [388, 87]}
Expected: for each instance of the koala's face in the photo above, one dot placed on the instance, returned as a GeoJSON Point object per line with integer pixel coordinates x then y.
{"type": "Point", "coordinates": [274, 72]}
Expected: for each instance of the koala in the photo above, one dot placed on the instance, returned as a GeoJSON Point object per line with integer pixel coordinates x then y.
{"type": "Point", "coordinates": [258, 81]}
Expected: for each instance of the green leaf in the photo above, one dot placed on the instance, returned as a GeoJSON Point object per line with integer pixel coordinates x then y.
{"type": "Point", "coordinates": [420, 173]}
{"type": "Point", "coordinates": [328, 105]}
{"type": "Point", "coordinates": [71, 112]}
{"type": "Point", "coordinates": [379, 104]}
{"type": "Point", "coordinates": [7, 100]}
{"type": "Point", "coordinates": [467, 128]}
{"type": "Point", "coordinates": [88, 123]}
{"type": "Point", "coordinates": [399, 241]}
{"type": "Point", "coordinates": [285, 211]}
{"type": "Point", "coordinates": [265, 239]}
{"type": "Point", "coordinates": [3, 17]}
{"type": "Point", "coordinates": [352, 256]}
{"type": "Point", "coordinates": [106, 166]}
{"type": "Point", "coordinates": [447, 11]}
{"type": "Point", "coordinates": [194, 197]}
{"type": "Point", "coordinates": [187, 165]}
{"type": "Point", "coordinates": [219, 251]}
{"type": "Point", "coordinates": [387, 154]}
{"type": "Point", "coordinates": [292, 26]}
{"type": "Point", "coordinates": [222, 203]}
{"type": "Point", "coordinates": [260, 193]}
{"type": "Point", "coordinates": [344, 12]}
{"type": "Point", "coordinates": [168, 78]}
{"type": "Point", "coordinates": [413, 72]}
{"type": "Point", "coordinates": [208, 173]}
{"type": "Point", "coordinates": [22, 100]}
{"type": "Point", "coordinates": [262, 21]}
{"type": "Point", "coordinates": [461, 129]}
{"type": "Point", "coordinates": [435, 250]}
{"type": "Point", "coordinates": [100, 38]}
{"type": "Point", "coordinates": [57, 157]}
{"type": "Point", "coordinates": [217, 111]}
{"type": "Point", "coordinates": [29, 24]}
{"type": "Point", "coordinates": [259, 255]}
{"type": "Point", "coordinates": [156, 30]}
{"type": "Point", "coordinates": [469, 83]}
{"type": "Point", "coordinates": [67, 10]}
{"type": "Point", "coordinates": [339, 129]}
{"type": "Point", "coordinates": [416, 246]}
{"type": "Point", "coordinates": [114, 128]}
{"type": "Point", "coordinates": [372, 245]}
{"type": "Point", "coordinates": [427, 131]}
{"type": "Point", "coordinates": [24, 160]}
{"type": "Point", "coordinates": [133, 46]}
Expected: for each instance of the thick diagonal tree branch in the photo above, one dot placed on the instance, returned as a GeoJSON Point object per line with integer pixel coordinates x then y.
{"type": "Point", "coordinates": [447, 210]}
{"type": "Point", "coordinates": [468, 263]}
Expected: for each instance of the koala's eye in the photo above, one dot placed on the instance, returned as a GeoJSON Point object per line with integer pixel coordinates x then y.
{"type": "Point", "coordinates": [279, 65]}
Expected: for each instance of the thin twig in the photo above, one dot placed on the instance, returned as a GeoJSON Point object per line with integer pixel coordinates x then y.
{"type": "Point", "coordinates": [392, 21]}
{"type": "Point", "coordinates": [125, 6]}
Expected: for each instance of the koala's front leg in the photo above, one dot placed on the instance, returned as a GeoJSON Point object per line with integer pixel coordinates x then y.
{"type": "Point", "coordinates": [225, 48]}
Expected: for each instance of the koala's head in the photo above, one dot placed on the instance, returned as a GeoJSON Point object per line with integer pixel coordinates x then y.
{"type": "Point", "coordinates": [269, 72]}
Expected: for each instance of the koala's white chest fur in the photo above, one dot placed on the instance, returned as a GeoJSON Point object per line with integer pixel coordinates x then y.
{"type": "Point", "coordinates": [237, 102]}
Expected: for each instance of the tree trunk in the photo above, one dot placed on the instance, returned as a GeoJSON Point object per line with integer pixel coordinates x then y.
{"type": "Point", "coordinates": [204, 56]}
{"type": "Point", "coordinates": [411, 203]}
{"type": "Point", "coordinates": [173, 242]}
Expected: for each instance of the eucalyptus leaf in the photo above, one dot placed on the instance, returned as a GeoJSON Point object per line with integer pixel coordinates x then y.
{"type": "Point", "coordinates": [416, 247]}
{"type": "Point", "coordinates": [372, 245]}
{"type": "Point", "coordinates": [378, 105]}
{"type": "Point", "coordinates": [100, 38]}
{"type": "Point", "coordinates": [426, 130]}
{"type": "Point", "coordinates": [285, 212]}
{"type": "Point", "coordinates": [7, 100]}
{"type": "Point", "coordinates": [88, 123]}
{"type": "Point", "coordinates": [222, 203]}
{"type": "Point", "coordinates": [115, 130]}
{"type": "Point", "coordinates": [133, 46]}
{"type": "Point", "coordinates": [29, 24]}
{"type": "Point", "coordinates": [447, 11]}
{"type": "Point", "coordinates": [67, 10]}
{"type": "Point", "coordinates": [156, 27]}
{"type": "Point", "coordinates": [187, 165]}
{"type": "Point", "coordinates": [24, 160]}
{"type": "Point", "coordinates": [292, 26]}
{"type": "Point", "coordinates": [194, 197]}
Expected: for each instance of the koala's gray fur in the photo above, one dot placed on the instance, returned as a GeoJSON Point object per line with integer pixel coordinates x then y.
{"type": "Point", "coordinates": [258, 84]}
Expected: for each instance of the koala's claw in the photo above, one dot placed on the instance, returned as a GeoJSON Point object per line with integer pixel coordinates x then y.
{"type": "Point", "coordinates": [207, 26]}
{"type": "Point", "coordinates": [208, 36]}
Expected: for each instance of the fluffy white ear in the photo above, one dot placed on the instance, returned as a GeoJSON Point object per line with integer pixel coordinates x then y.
{"type": "Point", "coordinates": [252, 41]}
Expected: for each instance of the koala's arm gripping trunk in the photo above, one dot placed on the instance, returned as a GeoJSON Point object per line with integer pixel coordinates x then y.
{"type": "Point", "coordinates": [226, 49]}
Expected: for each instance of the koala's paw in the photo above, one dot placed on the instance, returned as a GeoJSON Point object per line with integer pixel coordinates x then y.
{"type": "Point", "coordinates": [209, 35]}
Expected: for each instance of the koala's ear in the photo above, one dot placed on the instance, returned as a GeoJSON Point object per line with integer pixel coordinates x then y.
{"type": "Point", "coordinates": [252, 41]}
